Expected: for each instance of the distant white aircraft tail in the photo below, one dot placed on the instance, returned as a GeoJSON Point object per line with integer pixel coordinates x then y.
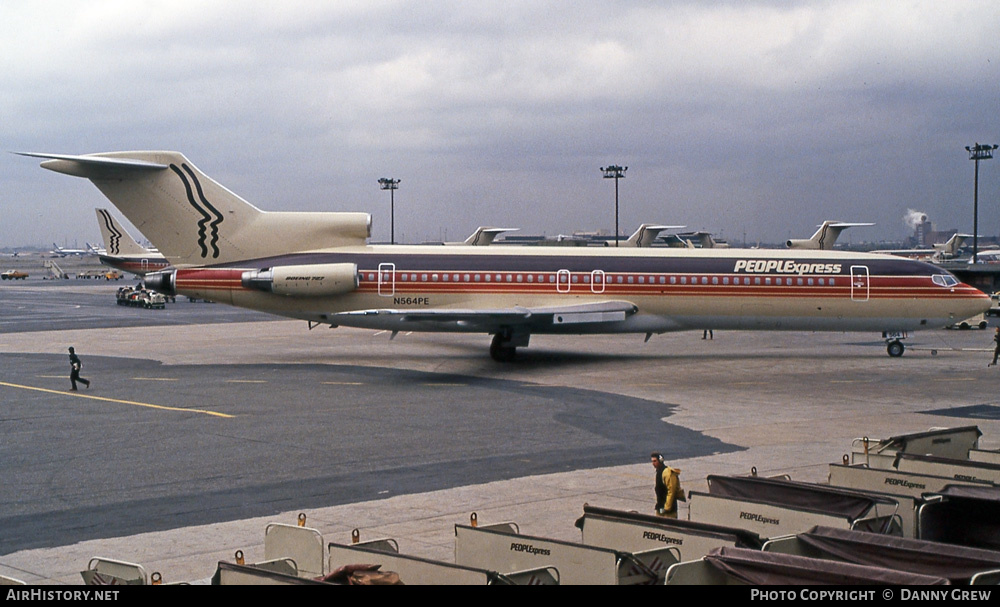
{"type": "Point", "coordinates": [646, 235]}
{"type": "Point", "coordinates": [950, 248]}
{"type": "Point", "coordinates": [194, 220]}
{"type": "Point", "coordinates": [485, 235]}
{"type": "Point", "coordinates": [825, 237]}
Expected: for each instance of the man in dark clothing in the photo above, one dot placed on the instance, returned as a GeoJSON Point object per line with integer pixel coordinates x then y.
{"type": "Point", "coordinates": [667, 487]}
{"type": "Point", "coordinates": [996, 350]}
{"type": "Point", "coordinates": [660, 488]}
{"type": "Point", "coordinates": [74, 374]}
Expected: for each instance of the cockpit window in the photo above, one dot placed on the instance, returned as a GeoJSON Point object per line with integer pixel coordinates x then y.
{"type": "Point", "coordinates": [944, 280]}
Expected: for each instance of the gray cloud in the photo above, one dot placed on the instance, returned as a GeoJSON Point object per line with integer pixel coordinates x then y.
{"type": "Point", "coordinates": [763, 118]}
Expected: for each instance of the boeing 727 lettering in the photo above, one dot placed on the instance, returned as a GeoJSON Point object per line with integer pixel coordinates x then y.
{"type": "Point", "coordinates": [320, 268]}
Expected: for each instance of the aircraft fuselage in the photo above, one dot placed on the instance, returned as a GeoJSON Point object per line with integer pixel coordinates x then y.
{"type": "Point", "coordinates": [672, 290]}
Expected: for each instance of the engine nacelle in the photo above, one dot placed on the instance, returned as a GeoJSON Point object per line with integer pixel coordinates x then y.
{"type": "Point", "coordinates": [161, 282]}
{"type": "Point", "coordinates": [801, 243]}
{"type": "Point", "coordinates": [312, 280]}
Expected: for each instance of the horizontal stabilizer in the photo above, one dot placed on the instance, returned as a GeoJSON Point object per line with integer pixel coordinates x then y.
{"type": "Point", "coordinates": [93, 167]}
{"type": "Point", "coordinates": [193, 220]}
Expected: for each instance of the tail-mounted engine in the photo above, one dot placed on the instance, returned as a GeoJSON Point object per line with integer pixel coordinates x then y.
{"type": "Point", "coordinates": [161, 282]}
{"type": "Point", "coordinates": [313, 280]}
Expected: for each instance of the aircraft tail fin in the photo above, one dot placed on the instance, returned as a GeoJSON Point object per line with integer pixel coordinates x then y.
{"type": "Point", "coordinates": [117, 241]}
{"type": "Point", "coordinates": [647, 234]}
{"type": "Point", "coordinates": [485, 235]}
{"type": "Point", "coordinates": [193, 220]}
{"type": "Point", "coordinates": [825, 237]}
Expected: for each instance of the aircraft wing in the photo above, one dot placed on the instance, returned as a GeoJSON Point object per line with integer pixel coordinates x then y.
{"type": "Point", "coordinates": [517, 317]}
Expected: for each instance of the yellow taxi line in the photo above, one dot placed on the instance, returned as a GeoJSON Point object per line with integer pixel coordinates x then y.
{"type": "Point", "coordinates": [116, 400]}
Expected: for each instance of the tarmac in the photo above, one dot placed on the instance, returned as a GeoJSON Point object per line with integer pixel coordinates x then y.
{"type": "Point", "coordinates": [780, 403]}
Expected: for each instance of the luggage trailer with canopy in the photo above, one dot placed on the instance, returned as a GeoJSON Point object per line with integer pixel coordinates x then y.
{"type": "Point", "coordinates": [771, 507]}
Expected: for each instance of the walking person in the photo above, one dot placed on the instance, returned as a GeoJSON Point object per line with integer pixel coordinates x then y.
{"type": "Point", "coordinates": [667, 487]}
{"type": "Point", "coordinates": [708, 334]}
{"type": "Point", "coordinates": [74, 373]}
{"type": "Point", "coordinates": [996, 350]}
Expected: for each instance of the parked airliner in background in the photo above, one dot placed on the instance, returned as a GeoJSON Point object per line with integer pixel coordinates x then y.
{"type": "Point", "coordinates": [704, 239]}
{"type": "Point", "coordinates": [937, 252]}
{"type": "Point", "coordinates": [62, 252]}
{"type": "Point", "coordinates": [318, 267]}
{"type": "Point", "coordinates": [122, 252]}
{"type": "Point", "coordinates": [825, 237]}
{"type": "Point", "coordinates": [647, 234]}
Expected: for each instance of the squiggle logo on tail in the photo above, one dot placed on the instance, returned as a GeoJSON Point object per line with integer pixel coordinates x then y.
{"type": "Point", "coordinates": [115, 234]}
{"type": "Point", "coordinates": [206, 218]}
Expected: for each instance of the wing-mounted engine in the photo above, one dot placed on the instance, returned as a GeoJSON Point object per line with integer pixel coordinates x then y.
{"type": "Point", "coordinates": [312, 280]}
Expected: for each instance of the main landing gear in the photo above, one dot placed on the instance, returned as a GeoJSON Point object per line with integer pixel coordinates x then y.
{"type": "Point", "coordinates": [500, 352]}
{"type": "Point", "coordinates": [505, 344]}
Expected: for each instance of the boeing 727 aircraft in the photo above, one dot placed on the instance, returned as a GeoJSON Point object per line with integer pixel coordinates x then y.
{"type": "Point", "coordinates": [318, 267]}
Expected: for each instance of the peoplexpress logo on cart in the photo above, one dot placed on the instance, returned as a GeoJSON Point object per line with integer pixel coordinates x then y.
{"type": "Point", "coordinates": [515, 547]}
{"type": "Point", "coordinates": [898, 482]}
{"type": "Point", "coordinates": [759, 518]}
{"type": "Point", "coordinates": [664, 539]}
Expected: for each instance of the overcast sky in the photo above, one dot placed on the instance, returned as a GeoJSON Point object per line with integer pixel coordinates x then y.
{"type": "Point", "coordinates": [755, 118]}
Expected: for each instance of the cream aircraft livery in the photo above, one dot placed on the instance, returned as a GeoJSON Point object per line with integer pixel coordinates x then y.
{"type": "Point", "coordinates": [320, 268]}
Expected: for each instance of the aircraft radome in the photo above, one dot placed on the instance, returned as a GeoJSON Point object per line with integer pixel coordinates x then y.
{"type": "Point", "coordinates": [319, 267]}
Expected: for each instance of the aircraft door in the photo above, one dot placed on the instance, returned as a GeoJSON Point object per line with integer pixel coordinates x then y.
{"type": "Point", "coordinates": [859, 283]}
{"type": "Point", "coordinates": [144, 264]}
{"type": "Point", "coordinates": [597, 281]}
{"type": "Point", "coordinates": [562, 281]}
{"type": "Point", "coordinates": [386, 279]}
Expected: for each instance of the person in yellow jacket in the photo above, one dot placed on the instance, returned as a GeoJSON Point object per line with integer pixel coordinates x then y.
{"type": "Point", "coordinates": [667, 487]}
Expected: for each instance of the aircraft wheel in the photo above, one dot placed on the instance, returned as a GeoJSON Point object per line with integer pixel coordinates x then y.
{"type": "Point", "coordinates": [500, 352]}
{"type": "Point", "coordinates": [895, 348]}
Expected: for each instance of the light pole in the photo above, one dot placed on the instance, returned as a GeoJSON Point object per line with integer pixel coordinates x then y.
{"type": "Point", "coordinates": [392, 185]}
{"type": "Point", "coordinates": [615, 172]}
{"type": "Point", "coordinates": [977, 152]}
